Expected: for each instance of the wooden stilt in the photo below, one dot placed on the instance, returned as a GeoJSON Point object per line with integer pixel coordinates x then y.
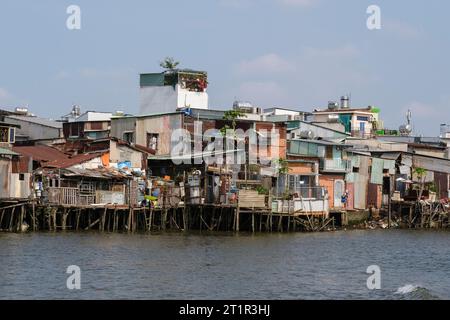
{"type": "Point", "coordinates": [151, 220]}
{"type": "Point", "coordinates": [253, 222]}
{"type": "Point", "coordinates": [33, 208]}
{"type": "Point", "coordinates": [280, 223]}
{"type": "Point", "coordinates": [164, 219]}
{"type": "Point", "coordinates": [1, 218]}
{"type": "Point", "coordinates": [78, 215]}
{"type": "Point", "coordinates": [11, 219]}
{"type": "Point", "coordinates": [237, 219]}
{"type": "Point", "coordinates": [20, 221]}
{"type": "Point", "coordinates": [104, 219]}
{"type": "Point", "coordinates": [64, 219]}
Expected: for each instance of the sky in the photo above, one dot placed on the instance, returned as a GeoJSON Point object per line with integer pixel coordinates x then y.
{"type": "Point", "coordinates": [296, 54]}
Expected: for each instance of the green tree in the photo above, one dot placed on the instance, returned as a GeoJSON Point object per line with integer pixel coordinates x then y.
{"type": "Point", "coordinates": [232, 115]}
{"type": "Point", "coordinates": [421, 174]}
{"type": "Point", "coordinates": [169, 63]}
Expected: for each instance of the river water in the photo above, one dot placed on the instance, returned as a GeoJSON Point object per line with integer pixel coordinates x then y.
{"type": "Point", "coordinates": [413, 264]}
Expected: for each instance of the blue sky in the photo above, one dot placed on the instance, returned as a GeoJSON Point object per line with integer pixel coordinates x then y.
{"type": "Point", "coordinates": [290, 53]}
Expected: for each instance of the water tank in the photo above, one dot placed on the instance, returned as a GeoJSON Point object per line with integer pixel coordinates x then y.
{"type": "Point", "coordinates": [242, 104]}
{"type": "Point", "coordinates": [76, 111]}
{"type": "Point", "coordinates": [246, 107]}
{"type": "Point", "coordinates": [445, 130]}
{"type": "Point", "coordinates": [333, 105]}
{"type": "Point", "coordinates": [21, 110]}
{"type": "Point", "coordinates": [405, 130]}
{"type": "Point", "coordinates": [307, 134]}
{"type": "Point", "coordinates": [345, 102]}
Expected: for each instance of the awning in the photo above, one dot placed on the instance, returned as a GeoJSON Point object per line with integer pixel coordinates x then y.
{"type": "Point", "coordinates": [8, 152]}
{"type": "Point", "coordinates": [391, 155]}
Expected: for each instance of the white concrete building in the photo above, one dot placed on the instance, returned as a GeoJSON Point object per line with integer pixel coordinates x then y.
{"type": "Point", "coordinates": [171, 90]}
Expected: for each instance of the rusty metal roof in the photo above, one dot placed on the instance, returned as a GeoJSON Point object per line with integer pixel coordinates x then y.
{"type": "Point", "coordinates": [41, 153]}
{"type": "Point", "coordinates": [101, 173]}
{"type": "Point", "coordinates": [68, 162]}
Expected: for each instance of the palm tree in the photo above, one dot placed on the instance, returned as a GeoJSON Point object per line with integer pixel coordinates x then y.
{"type": "Point", "coordinates": [169, 63]}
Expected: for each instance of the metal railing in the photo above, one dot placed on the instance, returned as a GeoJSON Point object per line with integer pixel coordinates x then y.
{"type": "Point", "coordinates": [362, 134]}
{"type": "Point", "coordinates": [336, 165]}
{"type": "Point", "coordinates": [316, 193]}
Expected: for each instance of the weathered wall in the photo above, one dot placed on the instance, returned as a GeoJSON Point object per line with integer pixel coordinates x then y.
{"type": "Point", "coordinates": [91, 164]}
{"type": "Point", "coordinates": [122, 154]}
{"type": "Point", "coordinates": [121, 125]}
{"type": "Point", "coordinates": [299, 168]}
{"type": "Point", "coordinates": [328, 182]}
{"type": "Point", "coordinates": [159, 99]}
{"type": "Point", "coordinates": [375, 195]}
{"type": "Point", "coordinates": [20, 188]}
{"type": "Point", "coordinates": [163, 126]}
{"type": "Point", "coordinates": [5, 177]}
{"type": "Point", "coordinates": [35, 131]}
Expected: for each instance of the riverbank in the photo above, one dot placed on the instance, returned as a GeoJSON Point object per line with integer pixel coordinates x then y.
{"type": "Point", "coordinates": [26, 216]}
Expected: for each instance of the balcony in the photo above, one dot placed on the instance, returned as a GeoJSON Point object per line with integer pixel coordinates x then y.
{"type": "Point", "coordinates": [335, 165]}
{"type": "Point", "coordinates": [362, 134]}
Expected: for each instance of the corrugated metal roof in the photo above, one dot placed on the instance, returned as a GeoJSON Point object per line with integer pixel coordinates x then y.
{"type": "Point", "coordinates": [101, 173]}
{"type": "Point", "coordinates": [323, 142]}
{"type": "Point", "coordinates": [6, 124]}
{"type": "Point", "coordinates": [391, 155]}
{"type": "Point", "coordinates": [41, 153]}
{"type": "Point", "coordinates": [41, 121]}
{"type": "Point", "coordinates": [68, 162]}
{"type": "Point", "coordinates": [7, 152]}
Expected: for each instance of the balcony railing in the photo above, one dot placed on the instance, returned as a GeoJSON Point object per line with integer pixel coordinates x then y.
{"type": "Point", "coordinates": [335, 165]}
{"type": "Point", "coordinates": [362, 134]}
{"type": "Point", "coordinates": [298, 192]}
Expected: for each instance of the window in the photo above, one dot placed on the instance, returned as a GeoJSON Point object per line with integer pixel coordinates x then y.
{"type": "Point", "coordinates": [153, 140]}
{"type": "Point", "coordinates": [96, 125]}
{"type": "Point", "coordinates": [329, 152]}
{"type": "Point", "coordinates": [21, 177]}
{"type": "Point", "coordinates": [128, 137]}
{"type": "Point", "coordinates": [12, 135]}
{"type": "Point", "coordinates": [4, 134]}
{"type": "Point", "coordinates": [361, 118]}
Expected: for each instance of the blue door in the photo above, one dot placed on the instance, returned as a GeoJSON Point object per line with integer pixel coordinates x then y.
{"type": "Point", "coordinates": [362, 128]}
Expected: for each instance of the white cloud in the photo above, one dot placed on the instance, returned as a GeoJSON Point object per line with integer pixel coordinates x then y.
{"type": "Point", "coordinates": [310, 78]}
{"type": "Point", "coordinates": [265, 64]}
{"type": "Point", "coordinates": [261, 93]}
{"type": "Point", "coordinates": [348, 51]}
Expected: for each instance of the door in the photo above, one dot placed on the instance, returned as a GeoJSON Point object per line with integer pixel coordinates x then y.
{"type": "Point", "coordinates": [339, 189]}
{"type": "Point", "coordinates": [362, 128]}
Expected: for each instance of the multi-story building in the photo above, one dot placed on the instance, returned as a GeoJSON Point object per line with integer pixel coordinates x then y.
{"type": "Point", "coordinates": [359, 122]}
